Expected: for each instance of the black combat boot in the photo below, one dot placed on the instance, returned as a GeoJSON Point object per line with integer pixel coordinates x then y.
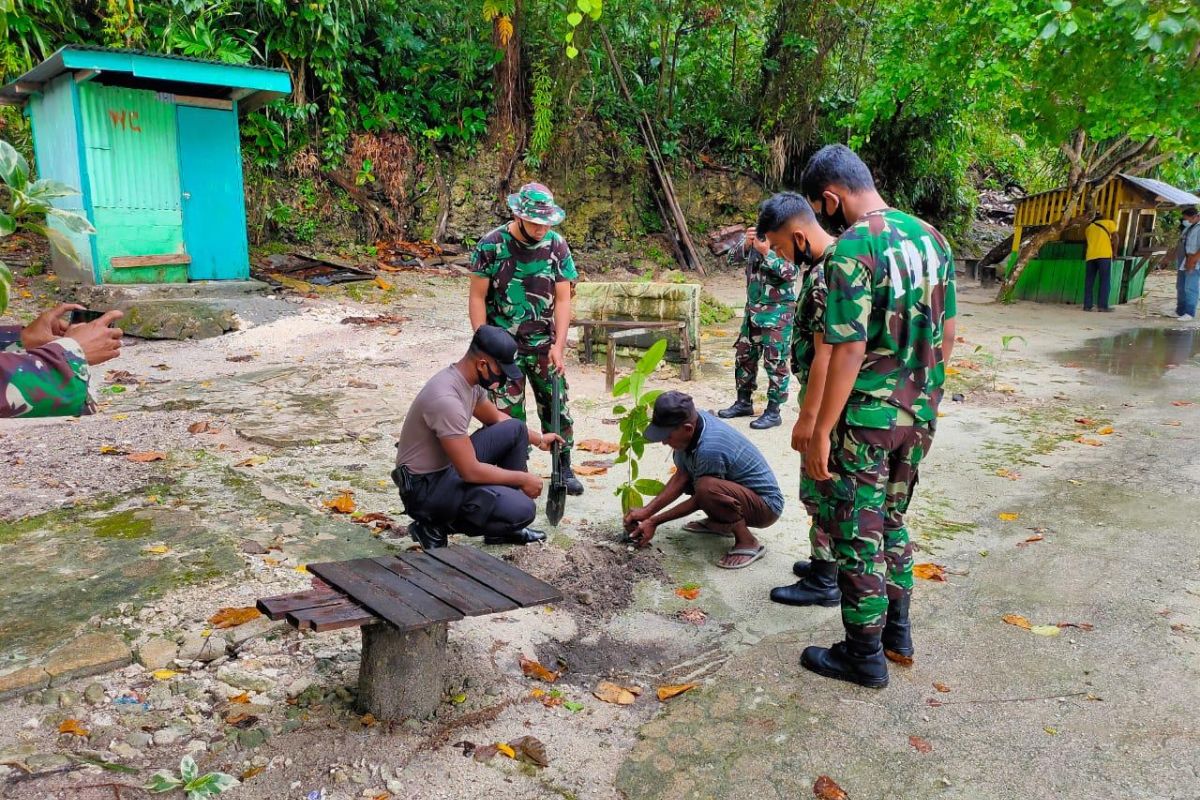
{"type": "Point", "coordinates": [428, 535]}
{"type": "Point", "coordinates": [818, 588]}
{"type": "Point", "coordinates": [742, 407]}
{"type": "Point", "coordinates": [523, 536]}
{"type": "Point", "coordinates": [574, 487]}
{"type": "Point", "coordinates": [897, 631]}
{"type": "Point", "coordinates": [801, 568]}
{"type": "Point", "coordinates": [859, 660]}
{"type": "Point", "coordinates": [769, 419]}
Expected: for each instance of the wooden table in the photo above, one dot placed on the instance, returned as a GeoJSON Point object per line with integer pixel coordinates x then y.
{"type": "Point", "coordinates": [618, 330]}
{"type": "Point", "coordinates": [403, 605]}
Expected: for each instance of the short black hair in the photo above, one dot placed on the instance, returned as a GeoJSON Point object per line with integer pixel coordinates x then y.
{"type": "Point", "coordinates": [780, 209]}
{"type": "Point", "coordinates": [1190, 211]}
{"type": "Point", "coordinates": [835, 163]}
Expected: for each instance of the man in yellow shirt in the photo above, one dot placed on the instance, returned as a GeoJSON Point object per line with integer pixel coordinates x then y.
{"type": "Point", "coordinates": [1101, 240]}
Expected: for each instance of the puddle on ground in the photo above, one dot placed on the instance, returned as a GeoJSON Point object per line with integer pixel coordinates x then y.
{"type": "Point", "coordinates": [1142, 356]}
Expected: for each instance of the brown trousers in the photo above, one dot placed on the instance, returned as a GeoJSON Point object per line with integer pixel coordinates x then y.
{"type": "Point", "coordinates": [729, 502]}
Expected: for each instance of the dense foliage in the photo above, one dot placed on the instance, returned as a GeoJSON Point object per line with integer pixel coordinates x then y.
{"type": "Point", "coordinates": [940, 95]}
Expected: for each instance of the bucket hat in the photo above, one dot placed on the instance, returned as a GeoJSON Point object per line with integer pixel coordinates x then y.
{"type": "Point", "coordinates": [535, 203]}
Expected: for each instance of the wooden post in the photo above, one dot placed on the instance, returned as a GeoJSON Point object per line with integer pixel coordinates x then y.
{"type": "Point", "coordinates": [401, 673]}
{"type": "Point", "coordinates": [610, 370]}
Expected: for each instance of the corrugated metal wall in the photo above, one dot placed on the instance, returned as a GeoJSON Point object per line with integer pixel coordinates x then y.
{"type": "Point", "coordinates": [133, 159]}
{"type": "Point", "coordinates": [131, 146]}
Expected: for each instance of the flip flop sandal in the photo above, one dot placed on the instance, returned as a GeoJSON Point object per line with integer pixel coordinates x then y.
{"type": "Point", "coordinates": [707, 526]}
{"type": "Point", "coordinates": [755, 554]}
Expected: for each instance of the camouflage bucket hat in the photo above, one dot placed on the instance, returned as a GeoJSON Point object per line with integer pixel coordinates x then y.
{"type": "Point", "coordinates": [535, 203]}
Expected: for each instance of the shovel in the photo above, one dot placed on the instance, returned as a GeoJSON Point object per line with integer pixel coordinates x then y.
{"type": "Point", "coordinates": [556, 500]}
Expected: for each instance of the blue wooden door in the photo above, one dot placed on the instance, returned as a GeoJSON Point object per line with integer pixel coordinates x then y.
{"type": "Point", "coordinates": [214, 206]}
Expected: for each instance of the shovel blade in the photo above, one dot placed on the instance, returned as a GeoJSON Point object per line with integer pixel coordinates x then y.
{"type": "Point", "coordinates": [556, 504]}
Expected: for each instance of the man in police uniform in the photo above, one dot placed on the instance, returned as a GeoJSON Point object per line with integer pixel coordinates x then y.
{"type": "Point", "coordinates": [478, 484]}
{"type": "Point", "coordinates": [523, 274]}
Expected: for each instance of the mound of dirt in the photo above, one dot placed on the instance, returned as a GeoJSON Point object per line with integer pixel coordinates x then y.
{"type": "Point", "coordinates": [596, 578]}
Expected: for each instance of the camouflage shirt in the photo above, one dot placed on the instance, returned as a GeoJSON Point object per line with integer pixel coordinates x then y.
{"type": "Point", "coordinates": [891, 285]}
{"type": "Point", "coordinates": [770, 281]}
{"type": "Point", "coordinates": [49, 381]}
{"type": "Point", "coordinates": [810, 316]}
{"type": "Point", "coordinates": [522, 278]}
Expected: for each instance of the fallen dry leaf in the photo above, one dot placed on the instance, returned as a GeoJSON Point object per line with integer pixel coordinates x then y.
{"type": "Point", "coordinates": [1084, 420]}
{"type": "Point", "coordinates": [1083, 626]}
{"type": "Point", "coordinates": [252, 461]}
{"type": "Point", "coordinates": [1181, 403]}
{"type": "Point", "coordinates": [689, 591]}
{"type": "Point", "coordinates": [1046, 630]}
{"type": "Point", "coordinates": [111, 450]}
{"type": "Point", "coordinates": [597, 446]}
{"type": "Point", "coordinates": [920, 745]}
{"type": "Point", "coordinates": [198, 427]}
{"type": "Point", "coordinates": [826, 788]}
{"type": "Point", "coordinates": [612, 693]}
{"type": "Point", "coordinates": [385, 285]}
{"type": "Point", "coordinates": [240, 359]}
{"type": "Point", "coordinates": [1037, 537]}
{"type": "Point", "coordinates": [342, 504]}
{"type": "Point", "coordinates": [692, 616]}
{"type": "Point", "coordinates": [486, 753]}
{"type": "Point", "coordinates": [1105, 431]}
{"type": "Point", "coordinates": [1018, 620]}
{"type": "Point", "coordinates": [951, 371]}
{"type": "Point", "coordinates": [667, 692]}
{"type": "Point", "coordinates": [156, 549]}
{"type": "Point", "coordinates": [533, 669]}
{"type": "Point", "coordinates": [368, 720]}
{"type": "Point", "coordinates": [1008, 516]}
{"type": "Point", "coordinates": [501, 747]}
{"type": "Point", "coordinates": [1008, 473]}
{"type": "Point", "coordinates": [232, 617]}
{"type": "Point", "coordinates": [164, 674]}
{"type": "Point", "coordinates": [941, 687]}
{"type": "Point", "coordinates": [147, 456]}
{"type": "Point", "coordinates": [1087, 441]}
{"type": "Point", "coordinates": [587, 472]}
{"type": "Point", "coordinates": [73, 727]}
{"type": "Point", "coordinates": [929, 572]}
{"type": "Point", "coordinates": [897, 658]}
{"type": "Point", "coordinates": [242, 698]}
{"type": "Point", "coordinates": [253, 771]}
{"type": "Point", "coordinates": [530, 749]}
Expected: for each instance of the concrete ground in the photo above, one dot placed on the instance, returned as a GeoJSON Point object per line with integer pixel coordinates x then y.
{"type": "Point", "coordinates": [1099, 710]}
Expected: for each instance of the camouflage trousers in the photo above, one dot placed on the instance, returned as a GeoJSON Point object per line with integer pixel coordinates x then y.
{"type": "Point", "coordinates": [511, 399]}
{"type": "Point", "coordinates": [820, 543]}
{"type": "Point", "coordinates": [773, 343]}
{"type": "Point", "coordinates": [862, 508]}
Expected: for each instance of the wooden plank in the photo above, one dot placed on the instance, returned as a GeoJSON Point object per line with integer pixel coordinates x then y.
{"type": "Point", "coordinates": [520, 587]}
{"type": "Point", "coordinates": [85, 75]}
{"type": "Point", "coordinates": [345, 614]}
{"type": "Point", "coordinates": [126, 262]}
{"type": "Point", "coordinates": [204, 102]}
{"type": "Point", "coordinates": [408, 592]}
{"type": "Point", "coordinates": [278, 606]}
{"type": "Point", "coordinates": [448, 584]}
{"type": "Point", "coordinates": [379, 600]}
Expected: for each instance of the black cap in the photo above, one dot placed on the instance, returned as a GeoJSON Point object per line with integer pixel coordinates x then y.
{"type": "Point", "coordinates": [1190, 211]}
{"type": "Point", "coordinates": [671, 410]}
{"type": "Point", "coordinates": [500, 345]}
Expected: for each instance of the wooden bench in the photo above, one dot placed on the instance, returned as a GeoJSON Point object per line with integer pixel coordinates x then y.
{"type": "Point", "coordinates": [403, 605]}
{"type": "Point", "coordinates": [617, 331]}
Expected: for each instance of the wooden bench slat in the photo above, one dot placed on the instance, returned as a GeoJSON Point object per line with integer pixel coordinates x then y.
{"type": "Point", "coordinates": [408, 592]}
{"type": "Point", "coordinates": [345, 614]}
{"type": "Point", "coordinates": [278, 606]}
{"type": "Point", "coordinates": [447, 584]}
{"type": "Point", "coordinates": [380, 600]}
{"type": "Point", "coordinates": [500, 576]}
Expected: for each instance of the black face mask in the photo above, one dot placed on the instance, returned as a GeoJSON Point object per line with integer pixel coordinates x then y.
{"type": "Point", "coordinates": [491, 380]}
{"type": "Point", "coordinates": [804, 256]}
{"type": "Point", "coordinates": [526, 238]}
{"type": "Point", "coordinates": [834, 222]}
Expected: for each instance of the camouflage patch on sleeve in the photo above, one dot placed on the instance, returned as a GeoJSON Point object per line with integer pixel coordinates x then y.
{"type": "Point", "coordinates": [849, 301]}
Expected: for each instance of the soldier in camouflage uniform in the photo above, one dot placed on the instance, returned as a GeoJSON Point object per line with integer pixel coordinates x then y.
{"type": "Point", "coordinates": [890, 321]}
{"type": "Point", "coordinates": [789, 225]}
{"type": "Point", "coordinates": [523, 276]}
{"type": "Point", "coordinates": [766, 330]}
{"type": "Point", "coordinates": [44, 365]}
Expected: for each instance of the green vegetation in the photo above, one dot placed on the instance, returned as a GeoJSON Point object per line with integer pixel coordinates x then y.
{"type": "Point", "coordinates": [634, 414]}
{"type": "Point", "coordinates": [940, 96]}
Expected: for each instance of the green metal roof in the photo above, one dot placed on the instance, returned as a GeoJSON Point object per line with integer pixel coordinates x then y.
{"type": "Point", "coordinates": [250, 86]}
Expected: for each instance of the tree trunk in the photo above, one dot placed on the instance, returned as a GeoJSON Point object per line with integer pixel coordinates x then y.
{"type": "Point", "coordinates": [400, 676]}
{"type": "Point", "coordinates": [508, 78]}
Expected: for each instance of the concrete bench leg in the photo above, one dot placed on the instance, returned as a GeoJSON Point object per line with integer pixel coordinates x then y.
{"type": "Point", "coordinates": [401, 673]}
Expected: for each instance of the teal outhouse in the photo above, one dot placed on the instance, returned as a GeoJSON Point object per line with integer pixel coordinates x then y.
{"type": "Point", "coordinates": [151, 142]}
